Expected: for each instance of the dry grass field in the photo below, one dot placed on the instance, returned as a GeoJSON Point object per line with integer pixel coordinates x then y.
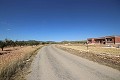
{"type": "Point", "coordinates": [97, 49]}
{"type": "Point", "coordinates": [109, 56]}
{"type": "Point", "coordinates": [14, 58]}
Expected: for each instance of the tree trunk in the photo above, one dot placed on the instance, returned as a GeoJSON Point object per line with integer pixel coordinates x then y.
{"type": "Point", "coordinates": [2, 49]}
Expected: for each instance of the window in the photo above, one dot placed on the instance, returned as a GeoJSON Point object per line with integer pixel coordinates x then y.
{"type": "Point", "coordinates": [109, 39]}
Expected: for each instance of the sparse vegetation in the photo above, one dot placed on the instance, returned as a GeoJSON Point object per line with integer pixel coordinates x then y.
{"type": "Point", "coordinates": [94, 48]}
{"type": "Point", "coordinates": [109, 56]}
{"type": "Point", "coordinates": [13, 57]}
{"type": "Point", "coordinates": [74, 42]}
{"type": "Point", "coordinates": [11, 43]}
{"type": "Point", "coordinates": [9, 63]}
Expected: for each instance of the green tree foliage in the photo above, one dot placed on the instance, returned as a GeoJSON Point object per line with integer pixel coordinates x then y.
{"type": "Point", "coordinates": [12, 43]}
{"type": "Point", "coordinates": [74, 42]}
{"type": "Point", "coordinates": [2, 44]}
{"type": "Point", "coordinates": [9, 42]}
{"type": "Point", "coordinates": [33, 42]}
{"type": "Point", "coordinates": [24, 43]}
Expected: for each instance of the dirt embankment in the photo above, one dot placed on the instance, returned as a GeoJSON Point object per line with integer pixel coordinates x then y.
{"type": "Point", "coordinates": [103, 58]}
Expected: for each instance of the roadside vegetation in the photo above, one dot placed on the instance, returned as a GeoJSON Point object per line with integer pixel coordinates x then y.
{"type": "Point", "coordinates": [14, 55]}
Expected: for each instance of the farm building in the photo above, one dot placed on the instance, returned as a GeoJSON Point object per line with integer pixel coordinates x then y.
{"type": "Point", "coordinates": [104, 40]}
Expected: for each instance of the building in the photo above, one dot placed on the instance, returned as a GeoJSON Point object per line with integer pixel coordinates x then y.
{"type": "Point", "coordinates": [104, 40]}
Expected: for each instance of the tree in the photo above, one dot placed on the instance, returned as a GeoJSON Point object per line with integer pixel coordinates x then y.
{"type": "Point", "coordinates": [33, 42]}
{"type": "Point", "coordinates": [2, 44]}
{"type": "Point", "coordinates": [9, 42]}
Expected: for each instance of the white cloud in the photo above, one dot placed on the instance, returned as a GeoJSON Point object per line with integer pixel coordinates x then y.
{"type": "Point", "coordinates": [8, 29]}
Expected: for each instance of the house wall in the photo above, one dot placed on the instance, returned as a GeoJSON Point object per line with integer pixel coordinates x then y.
{"type": "Point", "coordinates": [92, 40]}
{"type": "Point", "coordinates": [117, 40]}
{"type": "Point", "coordinates": [110, 42]}
{"type": "Point", "coordinates": [100, 41]}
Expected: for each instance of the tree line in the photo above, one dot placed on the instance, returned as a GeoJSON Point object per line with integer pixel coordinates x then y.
{"type": "Point", "coordinates": [11, 43]}
{"type": "Point", "coordinates": [74, 42]}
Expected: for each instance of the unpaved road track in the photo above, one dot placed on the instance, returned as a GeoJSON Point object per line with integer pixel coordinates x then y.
{"type": "Point", "coordinates": [52, 63]}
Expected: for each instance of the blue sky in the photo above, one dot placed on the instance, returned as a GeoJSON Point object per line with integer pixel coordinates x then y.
{"type": "Point", "coordinates": [58, 20]}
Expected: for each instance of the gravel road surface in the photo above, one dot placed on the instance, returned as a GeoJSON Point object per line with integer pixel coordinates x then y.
{"type": "Point", "coordinates": [52, 63]}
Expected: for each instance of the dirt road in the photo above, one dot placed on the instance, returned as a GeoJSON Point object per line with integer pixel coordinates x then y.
{"type": "Point", "coordinates": [52, 63]}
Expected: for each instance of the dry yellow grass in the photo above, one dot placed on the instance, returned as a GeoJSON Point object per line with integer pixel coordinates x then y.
{"type": "Point", "coordinates": [12, 60]}
{"type": "Point", "coordinates": [94, 49]}
{"type": "Point", "coordinates": [97, 53]}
